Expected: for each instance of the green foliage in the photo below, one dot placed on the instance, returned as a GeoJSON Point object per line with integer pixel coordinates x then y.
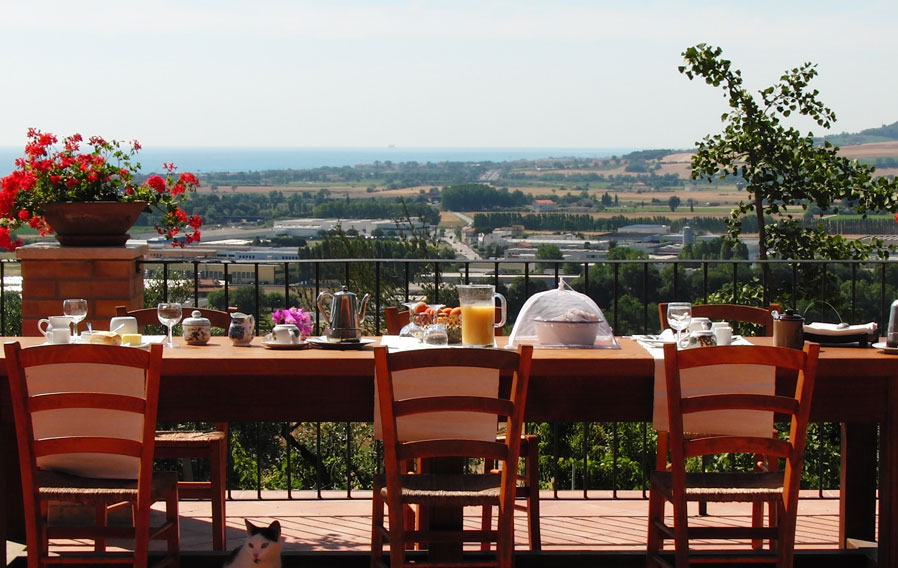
{"type": "Point", "coordinates": [479, 197]}
{"type": "Point", "coordinates": [12, 314]}
{"type": "Point", "coordinates": [780, 167]}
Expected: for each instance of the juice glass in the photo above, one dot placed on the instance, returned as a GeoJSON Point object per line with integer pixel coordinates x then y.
{"type": "Point", "coordinates": [478, 314]}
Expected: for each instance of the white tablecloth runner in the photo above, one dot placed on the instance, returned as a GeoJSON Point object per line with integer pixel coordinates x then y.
{"type": "Point", "coordinates": [754, 379]}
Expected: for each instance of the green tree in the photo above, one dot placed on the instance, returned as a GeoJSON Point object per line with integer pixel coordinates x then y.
{"type": "Point", "coordinates": [673, 202]}
{"type": "Point", "coordinates": [780, 167]}
{"type": "Point", "coordinates": [548, 252]}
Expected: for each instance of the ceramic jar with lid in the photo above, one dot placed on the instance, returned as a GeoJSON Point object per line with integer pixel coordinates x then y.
{"type": "Point", "coordinates": [197, 329]}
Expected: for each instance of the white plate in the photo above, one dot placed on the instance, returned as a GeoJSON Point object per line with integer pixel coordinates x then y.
{"type": "Point", "coordinates": [882, 345]}
{"type": "Point", "coordinates": [285, 346]}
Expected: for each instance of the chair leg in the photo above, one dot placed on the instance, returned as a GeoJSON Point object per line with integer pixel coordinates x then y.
{"type": "Point", "coordinates": [397, 538]}
{"type": "Point", "coordinates": [173, 540]}
{"type": "Point", "coordinates": [486, 521]}
{"type": "Point", "coordinates": [377, 521]}
{"type": "Point", "coordinates": [218, 459]}
{"type": "Point", "coordinates": [531, 463]}
{"type": "Point", "coordinates": [681, 535]}
{"type": "Point", "coordinates": [101, 519]}
{"type": "Point", "coordinates": [654, 542]}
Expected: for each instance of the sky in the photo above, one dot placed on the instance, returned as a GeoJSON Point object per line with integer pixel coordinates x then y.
{"type": "Point", "coordinates": [460, 73]}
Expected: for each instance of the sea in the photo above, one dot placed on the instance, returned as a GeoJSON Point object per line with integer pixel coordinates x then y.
{"type": "Point", "coordinates": [233, 159]}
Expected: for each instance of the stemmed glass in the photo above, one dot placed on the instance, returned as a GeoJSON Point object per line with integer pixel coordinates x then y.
{"type": "Point", "coordinates": [75, 308]}
{"type": "Point", "coordinates": [411, 329]}
{"type": "Point", "coordinates": [679, 316]}
{"type": "Point", "coordinates": [169, 314]}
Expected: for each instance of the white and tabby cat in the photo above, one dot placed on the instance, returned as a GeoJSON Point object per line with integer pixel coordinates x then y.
{"type": "Point", "coordinates": [262, 548]}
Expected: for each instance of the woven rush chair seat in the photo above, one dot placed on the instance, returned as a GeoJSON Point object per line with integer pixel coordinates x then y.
{"type": "Point", "coordinates": [57, 486]}
{"type": "Point", "coordinates": [727, 487]}
{"type": "Point", "coordinates": [447, 489]}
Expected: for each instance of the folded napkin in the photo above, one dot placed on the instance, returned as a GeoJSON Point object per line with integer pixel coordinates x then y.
{"type": "Point", "coordinates": [837, 329]}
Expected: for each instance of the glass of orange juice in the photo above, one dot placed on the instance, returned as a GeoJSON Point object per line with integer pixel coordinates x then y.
{"type": "Point", "coordinates": [478, 314]}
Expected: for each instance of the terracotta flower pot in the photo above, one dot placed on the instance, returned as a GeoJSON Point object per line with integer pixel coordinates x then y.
{"type": "Point", "coordinates": [93, 223]}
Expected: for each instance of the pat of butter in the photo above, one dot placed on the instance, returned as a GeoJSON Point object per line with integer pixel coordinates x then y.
{"type": "Point", "coordinates": [131, 338]}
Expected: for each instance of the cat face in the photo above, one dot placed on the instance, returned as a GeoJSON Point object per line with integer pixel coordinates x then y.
{"type": "Point", "coordinates": [263, 542]}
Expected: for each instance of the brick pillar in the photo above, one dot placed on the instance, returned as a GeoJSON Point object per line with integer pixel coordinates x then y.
{"type": "Point", "coordinates": [105, 276]}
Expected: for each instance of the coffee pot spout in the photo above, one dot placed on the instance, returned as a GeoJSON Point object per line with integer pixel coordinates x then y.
{"type": "Point", "coordinates": [362, 309]}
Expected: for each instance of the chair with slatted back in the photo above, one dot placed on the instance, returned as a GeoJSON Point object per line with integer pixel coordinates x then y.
{"type": "Point", "coordinates": [528, 479]}
{"type": "Point", "coordinates": [735, 314]}
{"type": "Point", "coordinates": [85, 420]}
{"type": "Point", "coordinates": [209, 445]}
{"type": "Point", "coordinates": [438, 404]}
{"type": "Point", "coordinates": [727, 406]}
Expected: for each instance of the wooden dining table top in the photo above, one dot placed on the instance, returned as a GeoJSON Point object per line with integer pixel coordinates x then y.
{"type": "Point", "coordinates": [221, 381]}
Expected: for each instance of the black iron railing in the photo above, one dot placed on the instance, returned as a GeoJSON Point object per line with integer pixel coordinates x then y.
{"type": "Point", "coordinates": [589, 456]}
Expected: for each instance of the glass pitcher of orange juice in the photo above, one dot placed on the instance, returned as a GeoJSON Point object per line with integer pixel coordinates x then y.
{"type": "Point", "coordinates": [478, 314]}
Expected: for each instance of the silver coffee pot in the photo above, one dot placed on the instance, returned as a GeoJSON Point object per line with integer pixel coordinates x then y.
{"type": "Point", "coordinates": [344, 316]}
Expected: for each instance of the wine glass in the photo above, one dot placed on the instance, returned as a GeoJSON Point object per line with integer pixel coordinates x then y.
{"type": "Point", "coordinates": [679, 316]}
{"type": "Point", "coordinates": [411, 329]}
{"type": "Point", "coordinates": [75, 308]}
{"type": "Point", "coordinates": [169, 314]}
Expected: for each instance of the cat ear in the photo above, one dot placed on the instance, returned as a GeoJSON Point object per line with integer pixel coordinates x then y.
{"type": "Point", "coordinates": [251, 529]}
{"type": "Point", "coordinates": [275, 527]}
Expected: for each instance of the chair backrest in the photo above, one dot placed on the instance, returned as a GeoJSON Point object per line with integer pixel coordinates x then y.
{"type": "Point", "coordinates": [147, 316]}
{"type": "Point", "coordinates": [729, 312]}
{"type": "Point", "coordinates": [395, 319]}
{"type": "Point", "coordinates": [458, 398]}
{"type": "Point", "coordinates": [796, 406]}
{"type": "Point", "coordinates": [87, 410]}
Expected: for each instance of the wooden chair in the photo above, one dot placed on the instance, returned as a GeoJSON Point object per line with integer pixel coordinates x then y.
{"type": "Point", "coordinates": [478, 405]}
{"type": "Point", "coordinates": [85, 420]}
{"type": "Point", "coordinates": [528, 480]}
{"type": "Point", "coordinates": [781, 487]}
{"type": "Point", "coordinates": [197, 444]}
{"type": "Point", "coordinates": [734, 314]}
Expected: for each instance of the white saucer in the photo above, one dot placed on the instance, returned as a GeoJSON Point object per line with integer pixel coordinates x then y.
{"type": "Point", "coordinates": [276, 345]}
{"type": "Point", "coordinates": [882, 345]}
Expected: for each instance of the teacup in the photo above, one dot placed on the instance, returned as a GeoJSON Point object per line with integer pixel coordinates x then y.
{"type": "Point", "coordinates": [285, 333]}
{"type": "Point", "coordinates": [57, 329]}
{"type": "Point", "coordinates": [699, 324]}
{"type": "Point", "coordinates": [123, 325]}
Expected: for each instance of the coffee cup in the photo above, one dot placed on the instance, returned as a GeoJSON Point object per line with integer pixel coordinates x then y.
{"type": "Point", "coordinates": [700, 324]}
{"type": "Point", "coordinates": [123, 324]}
{"type": "Point", "coordinates": [285, 333]}
{"type": "Point", "coordinates": [723, 334]}
{"type": "Point", "coordinates": [56, 329]}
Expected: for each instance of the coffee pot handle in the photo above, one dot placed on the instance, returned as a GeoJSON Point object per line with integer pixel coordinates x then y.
{"type": "Point", "coordinates": [324, 313]}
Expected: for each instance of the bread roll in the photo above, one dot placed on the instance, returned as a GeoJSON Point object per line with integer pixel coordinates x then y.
{"type": "Point", "coordinates": [105, 338]}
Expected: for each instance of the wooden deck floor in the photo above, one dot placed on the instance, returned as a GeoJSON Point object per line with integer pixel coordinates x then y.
{"type": "Point", "coordinates": [570, 523]}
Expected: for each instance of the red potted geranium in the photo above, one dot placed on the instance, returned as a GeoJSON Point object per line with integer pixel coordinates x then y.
{"type": "Point", "coordinates": [48, 179]}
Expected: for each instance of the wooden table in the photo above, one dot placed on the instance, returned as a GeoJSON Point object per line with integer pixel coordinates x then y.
{"type": "Point", "coordinates": [220, 382]}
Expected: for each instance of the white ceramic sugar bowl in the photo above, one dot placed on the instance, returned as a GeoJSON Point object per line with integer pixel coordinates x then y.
{"type": "Point", "coordinates": [197, 329]}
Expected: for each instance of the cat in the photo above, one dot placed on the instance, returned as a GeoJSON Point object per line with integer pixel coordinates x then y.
{"type": "Point", "coordinates": [262, 548]}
